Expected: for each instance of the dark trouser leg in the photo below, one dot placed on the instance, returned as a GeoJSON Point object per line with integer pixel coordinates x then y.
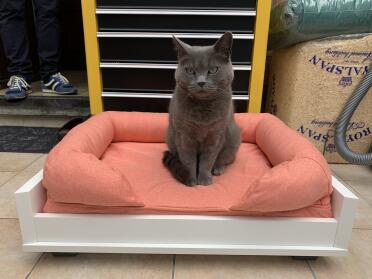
{"type": "Point", "coordinates": [13, 32]}
{"type": "Point", "coordinates": [48, 35]}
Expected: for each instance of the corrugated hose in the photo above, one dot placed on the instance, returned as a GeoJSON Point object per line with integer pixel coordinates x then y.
{"type": "Point", "coordinates": [344, 119]}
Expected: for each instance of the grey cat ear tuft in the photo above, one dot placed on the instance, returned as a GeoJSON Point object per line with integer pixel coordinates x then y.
{"type": "Point", "coordinates": [224, 45]}
{"type": "Point", "coordinates": [181, 47]}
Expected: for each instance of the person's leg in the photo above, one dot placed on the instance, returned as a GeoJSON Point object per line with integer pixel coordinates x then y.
{"type": "Point", "coordinates": [48, 36]}
{"type": "Point", "coordinates": [13, 32]}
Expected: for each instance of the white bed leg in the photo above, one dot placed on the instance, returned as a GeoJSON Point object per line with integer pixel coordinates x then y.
{"type": "Point", "coordinates": [30, 199]}
{"type": "Point", "coordinates": [344, 204]}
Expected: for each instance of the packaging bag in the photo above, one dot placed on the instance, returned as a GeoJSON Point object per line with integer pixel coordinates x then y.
{"type": "Point", "coordinates": [309, 84]}
{"type": "Point", "coordinates": [294, 21]}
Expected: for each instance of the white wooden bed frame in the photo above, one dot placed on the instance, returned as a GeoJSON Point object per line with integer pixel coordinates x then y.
{"type": "Point", "coordinates": [183, 234]}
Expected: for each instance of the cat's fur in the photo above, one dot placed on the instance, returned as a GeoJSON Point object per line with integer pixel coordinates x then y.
{"type": "Point", "coordinates": [202, 136]}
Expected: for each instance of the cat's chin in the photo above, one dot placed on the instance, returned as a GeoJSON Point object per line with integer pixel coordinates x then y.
{"type": "Point", "coordinates": [203, 95]}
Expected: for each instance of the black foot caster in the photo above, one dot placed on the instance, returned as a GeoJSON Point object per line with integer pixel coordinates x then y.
{"type": "Point", "coordinates": [305, 258]}
{"type": "Point", "coordinates": [58, 254]}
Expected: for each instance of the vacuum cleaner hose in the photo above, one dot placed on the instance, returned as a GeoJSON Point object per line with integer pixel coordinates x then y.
{"type": "Point", "coordinates": [344, 120]}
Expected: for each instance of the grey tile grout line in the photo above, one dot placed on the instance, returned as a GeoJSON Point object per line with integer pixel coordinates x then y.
{"type": "Point", "coordinates": [18, 172]}
{"type": "Point", "coordinates": [355, 191]}
{"type": "Point", "coordinates": [349, 182]}
{"type": "Point", "coordinates": [346, 179]}
{"type": "Point", "coordinates": [173, 266]}
{"type": "Point", "coordinates": [359, 195]}
{"type": "Point", "coordinates": [33, 161]}
{"type": "Point", "coordinates": [363, 229]}
{"type": "Point", "coordinates": [311, 269]}
{"type": "Point", "coordinates": [34, 266]}
{"type": "Point", "coordinates": [355, 180]}
{"type": "Point", "coordinates": [10, 178]}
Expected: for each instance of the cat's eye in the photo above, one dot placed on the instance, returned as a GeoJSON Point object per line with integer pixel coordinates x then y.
{"type": "Point", "coordinates": [190, 71]}
{"type": "Point", "coordinates": [213, 70]}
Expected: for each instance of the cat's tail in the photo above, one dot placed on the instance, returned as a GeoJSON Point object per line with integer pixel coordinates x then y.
{"type": "Point", "coordinates": [177, 169]}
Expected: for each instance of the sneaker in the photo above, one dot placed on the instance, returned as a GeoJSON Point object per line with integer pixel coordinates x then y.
{"type": "Point", "coordinates": [59, 84]}
{"type": "Point", "coordinates": [18, 89]}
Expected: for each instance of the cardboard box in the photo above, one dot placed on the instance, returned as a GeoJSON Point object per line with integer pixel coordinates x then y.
{"type": "Point", "coordinates": [309, 84]}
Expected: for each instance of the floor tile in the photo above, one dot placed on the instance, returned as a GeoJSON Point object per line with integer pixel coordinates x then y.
{"type": "Point", "coordinates": [102, 266]}
{"type": "Point", "coordinates": [14, 264]}
{"type": "Point", "coordinates": [352, 172]}
{"type": "Point", "coordinates": [363, 189]}
{"type": "Point", "coordinates": [7, 200]}
{"type": "Point", "coordinates": [5, 176]}
{"type": "Point", "coordinates": [356, 265]}
{"type": "Point", "coordinates": [363, 218]}
{"type": "Point", "coordinates": [10, 161]}
{"type": "Point", "coordinates": [236, 267]}
{"type": "Point", "coordinates": [363, 214]}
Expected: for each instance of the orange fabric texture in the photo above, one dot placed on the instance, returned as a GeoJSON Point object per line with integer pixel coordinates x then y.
{"type": "Point", "coordinates": [112, 164]}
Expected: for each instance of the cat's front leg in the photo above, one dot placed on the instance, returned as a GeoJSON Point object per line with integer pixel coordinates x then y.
{"type": "Point", "coordinates": [206, 162]}
{"type": "Point", "coordinates": [189, 160]}
{"type": "Point", "coordinates": [187, 151]}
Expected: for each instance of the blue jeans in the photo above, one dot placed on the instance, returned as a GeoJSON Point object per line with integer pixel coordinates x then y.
{"type": "Point", "coordinates": [13, 32]}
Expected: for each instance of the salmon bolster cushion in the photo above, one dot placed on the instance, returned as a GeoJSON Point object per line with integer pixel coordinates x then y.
{"type": "Point", "coordinates": [112, 164]}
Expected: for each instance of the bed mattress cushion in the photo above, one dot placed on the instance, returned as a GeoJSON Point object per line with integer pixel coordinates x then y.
{"type": "Point", "coordinates": [112, 164]}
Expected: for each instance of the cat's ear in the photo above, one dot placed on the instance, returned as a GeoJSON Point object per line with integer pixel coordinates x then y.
{"type": "Point", "coordinates": [224, 45]}
{"type": "Point", "coordinates": [180, 47]}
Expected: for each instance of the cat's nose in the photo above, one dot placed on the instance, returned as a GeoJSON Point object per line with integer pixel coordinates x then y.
{"type": "Point", "coordinates": [201, 83]}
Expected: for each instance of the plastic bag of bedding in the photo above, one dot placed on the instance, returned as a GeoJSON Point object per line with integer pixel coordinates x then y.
{"type": "Point", "coordinates": [294, 21]}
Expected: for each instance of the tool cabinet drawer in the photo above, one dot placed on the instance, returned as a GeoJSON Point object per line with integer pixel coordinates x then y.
{"type": "Point", "coordinates": [159, 48]}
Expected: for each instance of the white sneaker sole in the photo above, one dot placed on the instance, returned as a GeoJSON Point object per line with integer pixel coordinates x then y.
{"type": "Point", "coordinates": [52, 91]}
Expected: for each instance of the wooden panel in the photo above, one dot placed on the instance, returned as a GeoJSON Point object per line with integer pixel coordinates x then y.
{"type": "Point", "coordinates": [194, 249]}
{"type": "Point", "coordinates": [344, 204]}
{"type": "Point", "coordinates": [184, 229]}
{"type": "Point", "coordinates": [184, 234]}
{"type": "Point", "coordinates": [30, 199]}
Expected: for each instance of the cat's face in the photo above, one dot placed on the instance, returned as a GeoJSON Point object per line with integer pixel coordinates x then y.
{"type": "Point", "coordinates": [205, 72]}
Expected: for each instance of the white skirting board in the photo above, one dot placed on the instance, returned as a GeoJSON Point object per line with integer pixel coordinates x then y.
{"type": "Point", "coordinates": [183, 234]}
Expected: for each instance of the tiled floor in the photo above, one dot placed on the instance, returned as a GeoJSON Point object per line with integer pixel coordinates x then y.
{"type": "Point", "coordinates": [17, 168]}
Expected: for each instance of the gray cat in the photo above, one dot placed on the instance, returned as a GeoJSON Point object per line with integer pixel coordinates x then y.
{"type": "Point", "coordinates": [202, 136]}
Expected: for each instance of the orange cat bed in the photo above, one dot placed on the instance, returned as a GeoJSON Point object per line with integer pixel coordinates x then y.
{"type": "Point", "coordinates": [112, 164]}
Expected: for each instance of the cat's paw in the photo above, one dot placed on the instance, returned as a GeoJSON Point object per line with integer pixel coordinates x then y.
{"type": "Point", "coordinates": [205, 180]}
{"type": "Point", "coordinates": [191, 182]}
{"type": "Point", "coordinates": [218, 170]}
